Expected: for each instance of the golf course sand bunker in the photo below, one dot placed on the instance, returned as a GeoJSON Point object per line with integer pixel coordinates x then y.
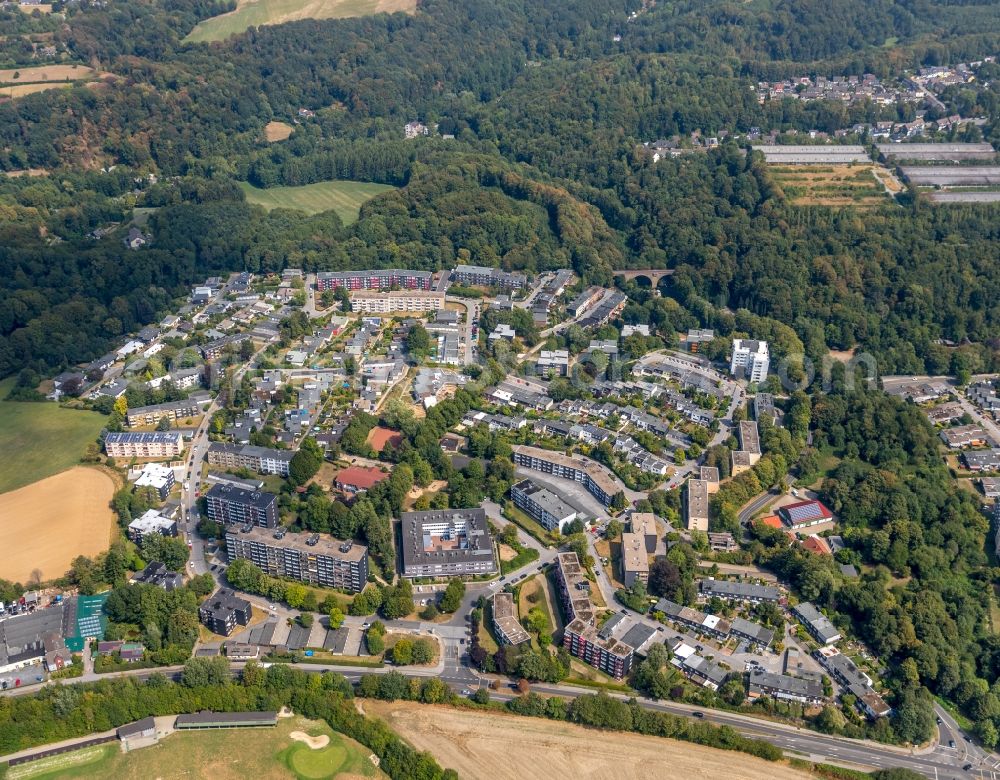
{"type": "Point", "coordinates": [316, 743]}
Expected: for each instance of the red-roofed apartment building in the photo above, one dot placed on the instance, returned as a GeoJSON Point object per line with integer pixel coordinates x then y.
{"type": "Point", "coordinates": [356, 479]}
{"type": "Point", "coordinates": [805, 513]}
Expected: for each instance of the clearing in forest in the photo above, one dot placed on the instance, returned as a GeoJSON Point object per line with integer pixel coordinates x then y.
{"type": "Point", "coordinates": [857, 185]}
{"type": "Point", "coordinates": [344, 197]}
{"type": "Point", "coordinates": [277, 131]}
{"type": "Point", "coordinates": [254, 13]}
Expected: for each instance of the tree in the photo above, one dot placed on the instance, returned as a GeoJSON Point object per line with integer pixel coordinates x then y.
{"type": "Point", "coordinates": [375, 642]}
{"type": "Point", "coordinates": [614, 529]}
{"type": "Point", "coordinates": [452, 598]}
{"type": "Point", "coordinates": [732, 691]}
{"type": "Point", "coordinates": [481, 696]}
{"type": "Point", "coordinates": [618, 501]}
{"type": "Point", "coordinates": [423, 651]}
{"type": "Point", "coordinates": [336, 617]}
{"type": "Point", "coordinates": [664, 578]}
{"type": "Point", "coordinates": [418, 342]}
{"type": "Point", "coordinates": [199, 672]}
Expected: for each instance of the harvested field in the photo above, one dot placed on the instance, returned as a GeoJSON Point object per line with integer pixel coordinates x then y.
{"type": "Point", "coordinates": [42, 8]}
{"type": "Point", "coordinates": [478, 744]}
{"type": "Point", "coordinates": [277, 131]}
{"type": "Point", "coordinates": [43, 73]}
{"type": "Point", "coordinates": [20, 90]}
{"type": "Point", "coordinates": [830, 185]}
{"type": "Point", "coordinates": [50, 522]}
{"type": "Point", "coordinates": [255, 13]}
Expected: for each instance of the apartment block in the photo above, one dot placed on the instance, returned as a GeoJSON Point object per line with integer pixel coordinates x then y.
{"type": "Point", "coordinates": [174, 410]}
{"type": "Point", "coordinates": [263, 460]}
{"type": "Point", "coordinates": [389, 301]}
{"type": "Point", "coordinates": [228, 504]}
{"type": "Point", "coordinates": [488, 277]}
{"type": "Point", "coordinates": [157, 444]}
{"type": "Point", "coordinates": [696, 505]}
{"type": "Point", "coordinates": [505, 623]}
{"type": "Point", "coordinates": [542, 504]}
{"type": "Point", "coordinates": [750, 359]}
{"type": "Point", "coordinates": [635, 559]}
{"type": "Point", "coordinates": [644, 524]}
{"type": "Point", "coordinates": [581, 637]}
{"type": "Point", "coordinates": [308, 558]}
{"type": "Point", "coordinates": [447, 543]}
{"type": "Point", "coordinates": [375, 280]}
{"type": "Point", "coordinates": [151, 522]}
{"type": "Point", "coordinates": [223, 611]}
{"type": "Point", "coordinates": [590, 474]}
{"type": "Point", "coordinates": [817, 624]}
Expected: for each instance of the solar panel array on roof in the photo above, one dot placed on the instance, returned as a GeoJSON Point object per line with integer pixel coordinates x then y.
{"type": "Point", "coordinates": [799, 513]}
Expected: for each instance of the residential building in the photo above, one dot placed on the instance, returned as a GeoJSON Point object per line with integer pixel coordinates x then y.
{"type": "Point", "coordinates": [982, 460]}
{"type": "Point", "coordinates": [151, 522]}
{"type": "Point", "coordinates": [750, 359]}
{"type": "Point", "coordinates": [263, 460]}
{"type": "Point", "coordinates": [505, 623]}
{"type": "Point", "coordinates": [634, 558]}
{"type": "Point", "coordinates": [783, 686]}
{"type": "Point", "coordinates": [228, 504]}
{"type": "Point", "coordinates": [553, 362]}
{"type": "Point", "coordinates": [598, 482]}
{"type": "Point", "coordinates": [502, 332]}
{"type": "Point", "coordinates": [984, 395]}
{"type": "Point", "coordinates": [609, 307]}
{"type": "Point", "coordinates": [964, 436]}
{"type": "Point", "coordinates": [488, 277]}
{"type": "Point", "coordinates": [446, 543]}
{"type": "Point", "coordinates": [946, 413]}
{"type": "Point", "coordinates": [764, 408]}
{"type": "Point", "coordinates": [173, 410]}
{"type": "Point", "coordinates": [223, 611]}
{"type": "Point", "coordinates": [156, 573]}
{"type": "Point", "coordinates": [710, 474]}
{"type": "Point", "coordinates": [739, 591]}
{"type": "Point", "coordinates": [749, 453]}
{"type": "Point", "coordinates": [376, 280]}
{"type": "Point", "coordinates": [991, 486]}
{"type": "Point", "coordinates": [156, 444]}
{"type": "Point", "coordinates": [584, 301]}
{"type": "Point", "coordinates": [803, 514]}
{"type": "Point", "coordinates": [698, 668]}
{"type": "Point", "coordinates": [698, 336]}
{"type": "Point", "coordinates": [712, 625]}
{"type": "Point", "coordinates": [213, 350]}
{"type": "Point", "coordinates": [753, 633]}
{"type": "Point", "coordinates": [310, 558]}
{"type": "Point", "coordinates": [389, 301]}
{"type": "Point", "coordinates": [158, 477]}
{"type": "Point", "coordinates": [853, 681]}
{"type": "Point", "coordinates": [643, 524]}
{"type": "Point", "coordinates": [581, 637]}
{"type": "Point", "coordinates": [542, 504]}
{"type": "Point", "coordinates": [817, 624]}
{"type": "Point", "coordinates": [696, 505]}
{"type": "Point", "coordinates": [634, 330]}
{"type": "Point", "coordinates": [722, 542]}
{"type": "Point", "coordinates": [357, 479]}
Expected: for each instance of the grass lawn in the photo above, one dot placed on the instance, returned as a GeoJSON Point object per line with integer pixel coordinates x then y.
{"type": "Point", "coordinates": [224, 754]}
{"type": "Point", "coordinates": [260, 12]}
{"type": "Point", "coordinates": [523, 558]}
{"type": "Point", "coordinates": [529, 524]}
{"type": "Point", "coordinates": [486, 639]}
{"type": "Point", "coordinates": [344, 197]}
{"type": "Point", "coordinates": [531, 595]}
{"type": "Point", "coordinates": [46, 438]}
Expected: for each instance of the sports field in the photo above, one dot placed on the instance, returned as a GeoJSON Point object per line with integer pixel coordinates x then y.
{"type": "Point", "coordinates": [344, 197]}
{"type": "Point", "coordinates": [225, 754]}
{"type": "Point", "coordinates": [41, 439]}
{"type": "Point", "coordinates": [502, 747]}
{"type": "Point", "coordinates": [254, 13]}
{"type": "Point", "coordinates": [45, 525]}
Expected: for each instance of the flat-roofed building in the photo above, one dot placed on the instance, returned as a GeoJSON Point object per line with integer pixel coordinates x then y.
{"type": "Point", "coordinates": [635, 559]}
{"type": "Point", "coordinates": [581, 637]}
{"type": "Point", "coordinates": [264, 460]}
{"type": "Point", "coordinates": [446, 543]}
{"type": "Point", "coordinates": [696, 505]}
{"type": "Point", "coordinates": [155, 444]}
{"type": "Point", "coordinates": [158, 477]}
{"type": "Point", "coordinates": [225, 720]}
{"type": "Point", "coordinates": [598, 482]}
{"type": "Point", "coordinates": [749, 453]}
{"type": "Point", "coordinates": [310, 558]}
{"type": "Point", "coordinates": [505, 623]}
{"type": "Point", "coordinates": [644, 524]}
{"type": "Point", "coordinates": [750, 359]}
{"type": "Point", "coordinates": [542, 504]}
{"type": "Point", "coordinates": [375, 280]}
{"type": "Point", "coordinates": [390, 301]}
{"type": "Point", "coordinates": [173, 410]}
{"type": "Point", "coordinates": [151, 522]}
{"type": "Point", "coordinates": [764, 408]}
{"type": "Point", "coordinates": [739, 591]}
{"type": "Point", "coordinates": [964, 436]}
{"type": "Point", "coordinates": [228, 504]}
{"type": "Point", "coordinates": [488, 277]}
{"type": "Point", "coordinates": [819, 154]}
{"type": "Point", "coordinates": [710, 474]}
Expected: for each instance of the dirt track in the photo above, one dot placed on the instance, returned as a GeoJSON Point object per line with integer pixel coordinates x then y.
{"type": "Point", "coordinates": [488, 745]}
{"type": "Point", "coordinates": [45, 525]}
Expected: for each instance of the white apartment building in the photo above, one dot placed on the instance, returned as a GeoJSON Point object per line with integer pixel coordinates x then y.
{"type": "Point", "coordinates": [388, 301]}
{"type": "Point", "coordinates": [750, 359]}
